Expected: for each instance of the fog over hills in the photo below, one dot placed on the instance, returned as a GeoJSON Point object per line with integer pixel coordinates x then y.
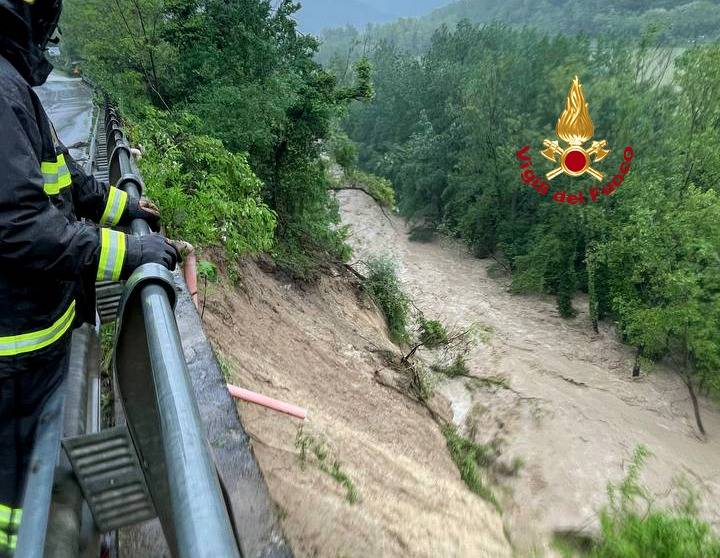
{"type": "Point", "coordinates": [316, 15]}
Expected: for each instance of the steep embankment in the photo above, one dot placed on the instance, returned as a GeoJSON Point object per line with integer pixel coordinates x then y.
{"type": "Point", "coordinates": [320, 347]}
{"type": "Point", "coordinates": [570, 411]}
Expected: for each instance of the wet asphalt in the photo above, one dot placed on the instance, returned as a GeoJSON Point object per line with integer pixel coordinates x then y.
{"type": "Point", "coordinates": [68, 103]}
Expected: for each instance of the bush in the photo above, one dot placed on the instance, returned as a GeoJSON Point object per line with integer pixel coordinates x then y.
{"type": "Point", "coordinates": [432, 333]}
{"type": "Point", "coordinates": [207, 195]}
{"type": "Point", "coordinates": [381, 189]}
{"type": "Point", "coordinates": [383, 286]}
{"type": "Point", "coordinates": [458, 367]}
{"type": "Point", "coordinates": [632, 527]}
{"type": "Point", "coordinates": [344, 151]}
{"type": "Point", "coordinates": [473, 461]}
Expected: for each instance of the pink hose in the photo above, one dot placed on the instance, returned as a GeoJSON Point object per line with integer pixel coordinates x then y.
{"type": "Point", "coordinates": [190, 271]}
{"type": "Point", "coordinates": [189, 268]}
{"type": "Point", "coordinates": [268, 402]}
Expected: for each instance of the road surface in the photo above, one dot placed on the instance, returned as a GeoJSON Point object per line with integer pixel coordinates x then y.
{"type": "Point", "coordinates": [68, 102]}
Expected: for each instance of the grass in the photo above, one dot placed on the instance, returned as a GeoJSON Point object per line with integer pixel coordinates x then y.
{"type": "Point", "coordinates": [494, 381]}
{"type": "Point", "coordinates": [310, 447]}
{"type": "Point", "coordinates": [485, 333]}
{"type": "Point", "coordinates": [384, 288]}
{"type": "Point", "coordinates": [632, 526]}
{"type": "Point", "coordinates": [224, 364]}
{"type": "Point", "coordinates": [473, 461]}
{"type": "Point", "coordinates": [422, 382]}
{"type": "Point", "coordinates": [457, 368]}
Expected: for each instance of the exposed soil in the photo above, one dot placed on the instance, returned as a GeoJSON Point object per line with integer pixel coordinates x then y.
{"type": "Point", "coordinates": [572, 411]}
{"type": "Point", "coordinates": [322, 348]}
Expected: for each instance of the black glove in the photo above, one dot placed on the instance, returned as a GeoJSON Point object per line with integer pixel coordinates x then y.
{"type": "Point", "coordinates": [151, 248]}
{"type": "Point", "coordinates": [135, 211]}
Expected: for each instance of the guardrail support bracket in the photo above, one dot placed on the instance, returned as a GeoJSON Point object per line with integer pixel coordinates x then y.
{"type": "Point", "coordinates": [109, 473]}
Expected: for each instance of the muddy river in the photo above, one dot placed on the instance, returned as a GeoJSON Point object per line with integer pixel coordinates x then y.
{"type": "Point", "coordinates": [571, 410]}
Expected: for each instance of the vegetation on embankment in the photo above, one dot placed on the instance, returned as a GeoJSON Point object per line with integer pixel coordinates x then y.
{"type": "Point", "coordinates": [445, 127]}
{"type": "Point", "coordinates": [232, 112]}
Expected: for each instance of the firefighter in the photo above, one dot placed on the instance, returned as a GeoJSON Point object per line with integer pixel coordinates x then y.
{"type": "Point", "coordinates": [49, 258]}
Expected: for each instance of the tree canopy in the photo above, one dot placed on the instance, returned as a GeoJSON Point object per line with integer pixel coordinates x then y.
{"type": "Point", "coordinates": [244, 75]}
{"type": "Point", "coordinates": [445, 127]}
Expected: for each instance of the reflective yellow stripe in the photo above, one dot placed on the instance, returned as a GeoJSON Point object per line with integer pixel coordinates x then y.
{"type": "Point", "coordinates": [5, 516]}
{"type": "Point", "coordinates": [112, 255]}
{"type": "Point", "coordinates": [4, 541]}
{"type": "Point", "coordinates": [28, 342]}
{"type": "Point", "coordinates": [12, 543]}
{"type": "Point", "coordinates": [16, 520]}
{"type": "Point", "coordinates": [115, 207]}
{"type": "Point", "coordinates": [56, 175]}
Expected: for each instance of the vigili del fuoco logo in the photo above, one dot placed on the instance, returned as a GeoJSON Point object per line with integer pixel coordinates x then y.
{"type": "Point", "coordinates": [575, 128]}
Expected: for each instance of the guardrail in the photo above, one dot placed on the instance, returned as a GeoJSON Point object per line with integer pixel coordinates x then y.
{"type": "Point", "coordinates": [193, 512]}
{"type": "Point", "coordinates": [165, 454]}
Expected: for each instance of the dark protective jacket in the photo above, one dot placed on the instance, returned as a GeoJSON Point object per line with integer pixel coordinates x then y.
{"type": "Point", "coordinates": [49, 259]}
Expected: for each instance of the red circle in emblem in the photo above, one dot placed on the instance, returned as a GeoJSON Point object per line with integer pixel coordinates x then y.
{"type": "Point", "coordinates": [575, 160]}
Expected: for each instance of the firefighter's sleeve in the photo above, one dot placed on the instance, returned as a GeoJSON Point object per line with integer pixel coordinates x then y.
{"type": "Point", "coordinates": [34, 235]}
{"type": "Point", "coordinates": [95, 200]}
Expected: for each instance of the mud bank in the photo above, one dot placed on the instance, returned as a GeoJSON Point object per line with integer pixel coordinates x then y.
{"type": "Point", "coordinates": [321, 348]}
{"type": "Point", "coordinates": [572, 412]}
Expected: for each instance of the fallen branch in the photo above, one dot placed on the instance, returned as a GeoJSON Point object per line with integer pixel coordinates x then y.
{"type": "Point", "coordinates": [502, 264]}
{"type": "Point", "coordinates": [364, 191]}
{"type": "Point", "coordinates": [355, 272]}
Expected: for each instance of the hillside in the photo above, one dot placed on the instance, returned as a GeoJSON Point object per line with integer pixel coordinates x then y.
{"type": "Point", "coordinates": [377, 478]}
{"type": "Point", "coordinates": [679, 22]}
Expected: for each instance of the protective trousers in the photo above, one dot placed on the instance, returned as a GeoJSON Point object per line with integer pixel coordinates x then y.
{"type": "Point", "coordinates": [24, 390]}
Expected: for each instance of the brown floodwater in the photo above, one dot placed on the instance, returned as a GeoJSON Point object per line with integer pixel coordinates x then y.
{"type": "Point", "coordinates": [571, 410]}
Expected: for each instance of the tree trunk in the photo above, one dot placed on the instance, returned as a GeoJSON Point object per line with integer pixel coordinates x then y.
{"type": "Point", "coordinates": [636, 366]}
{"type": "Point", "coordinates": [408, 356]}
{"type": "Point", "coordinates": [696, 406]}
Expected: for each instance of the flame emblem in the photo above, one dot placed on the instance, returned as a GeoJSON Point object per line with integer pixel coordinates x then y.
{"type": "Point", "coordinates": [575, 127]}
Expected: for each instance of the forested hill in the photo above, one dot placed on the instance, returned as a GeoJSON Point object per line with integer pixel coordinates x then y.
{"type": "Point", "coordinates": [681, 22]}
{"type": "Point", "coordinates": [316, 15]}
{"type": "Point", "coordinates": [445, 127]}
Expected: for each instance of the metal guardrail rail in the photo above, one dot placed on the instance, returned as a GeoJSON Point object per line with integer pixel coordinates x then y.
{"type": "Point", "coordinates": [164, 428]}
{"type": "Point", "coordinates": [195, 519]}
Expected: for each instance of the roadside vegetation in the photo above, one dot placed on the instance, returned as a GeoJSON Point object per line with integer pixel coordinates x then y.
{"type": "Point", "coordinates": [232, 111]}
